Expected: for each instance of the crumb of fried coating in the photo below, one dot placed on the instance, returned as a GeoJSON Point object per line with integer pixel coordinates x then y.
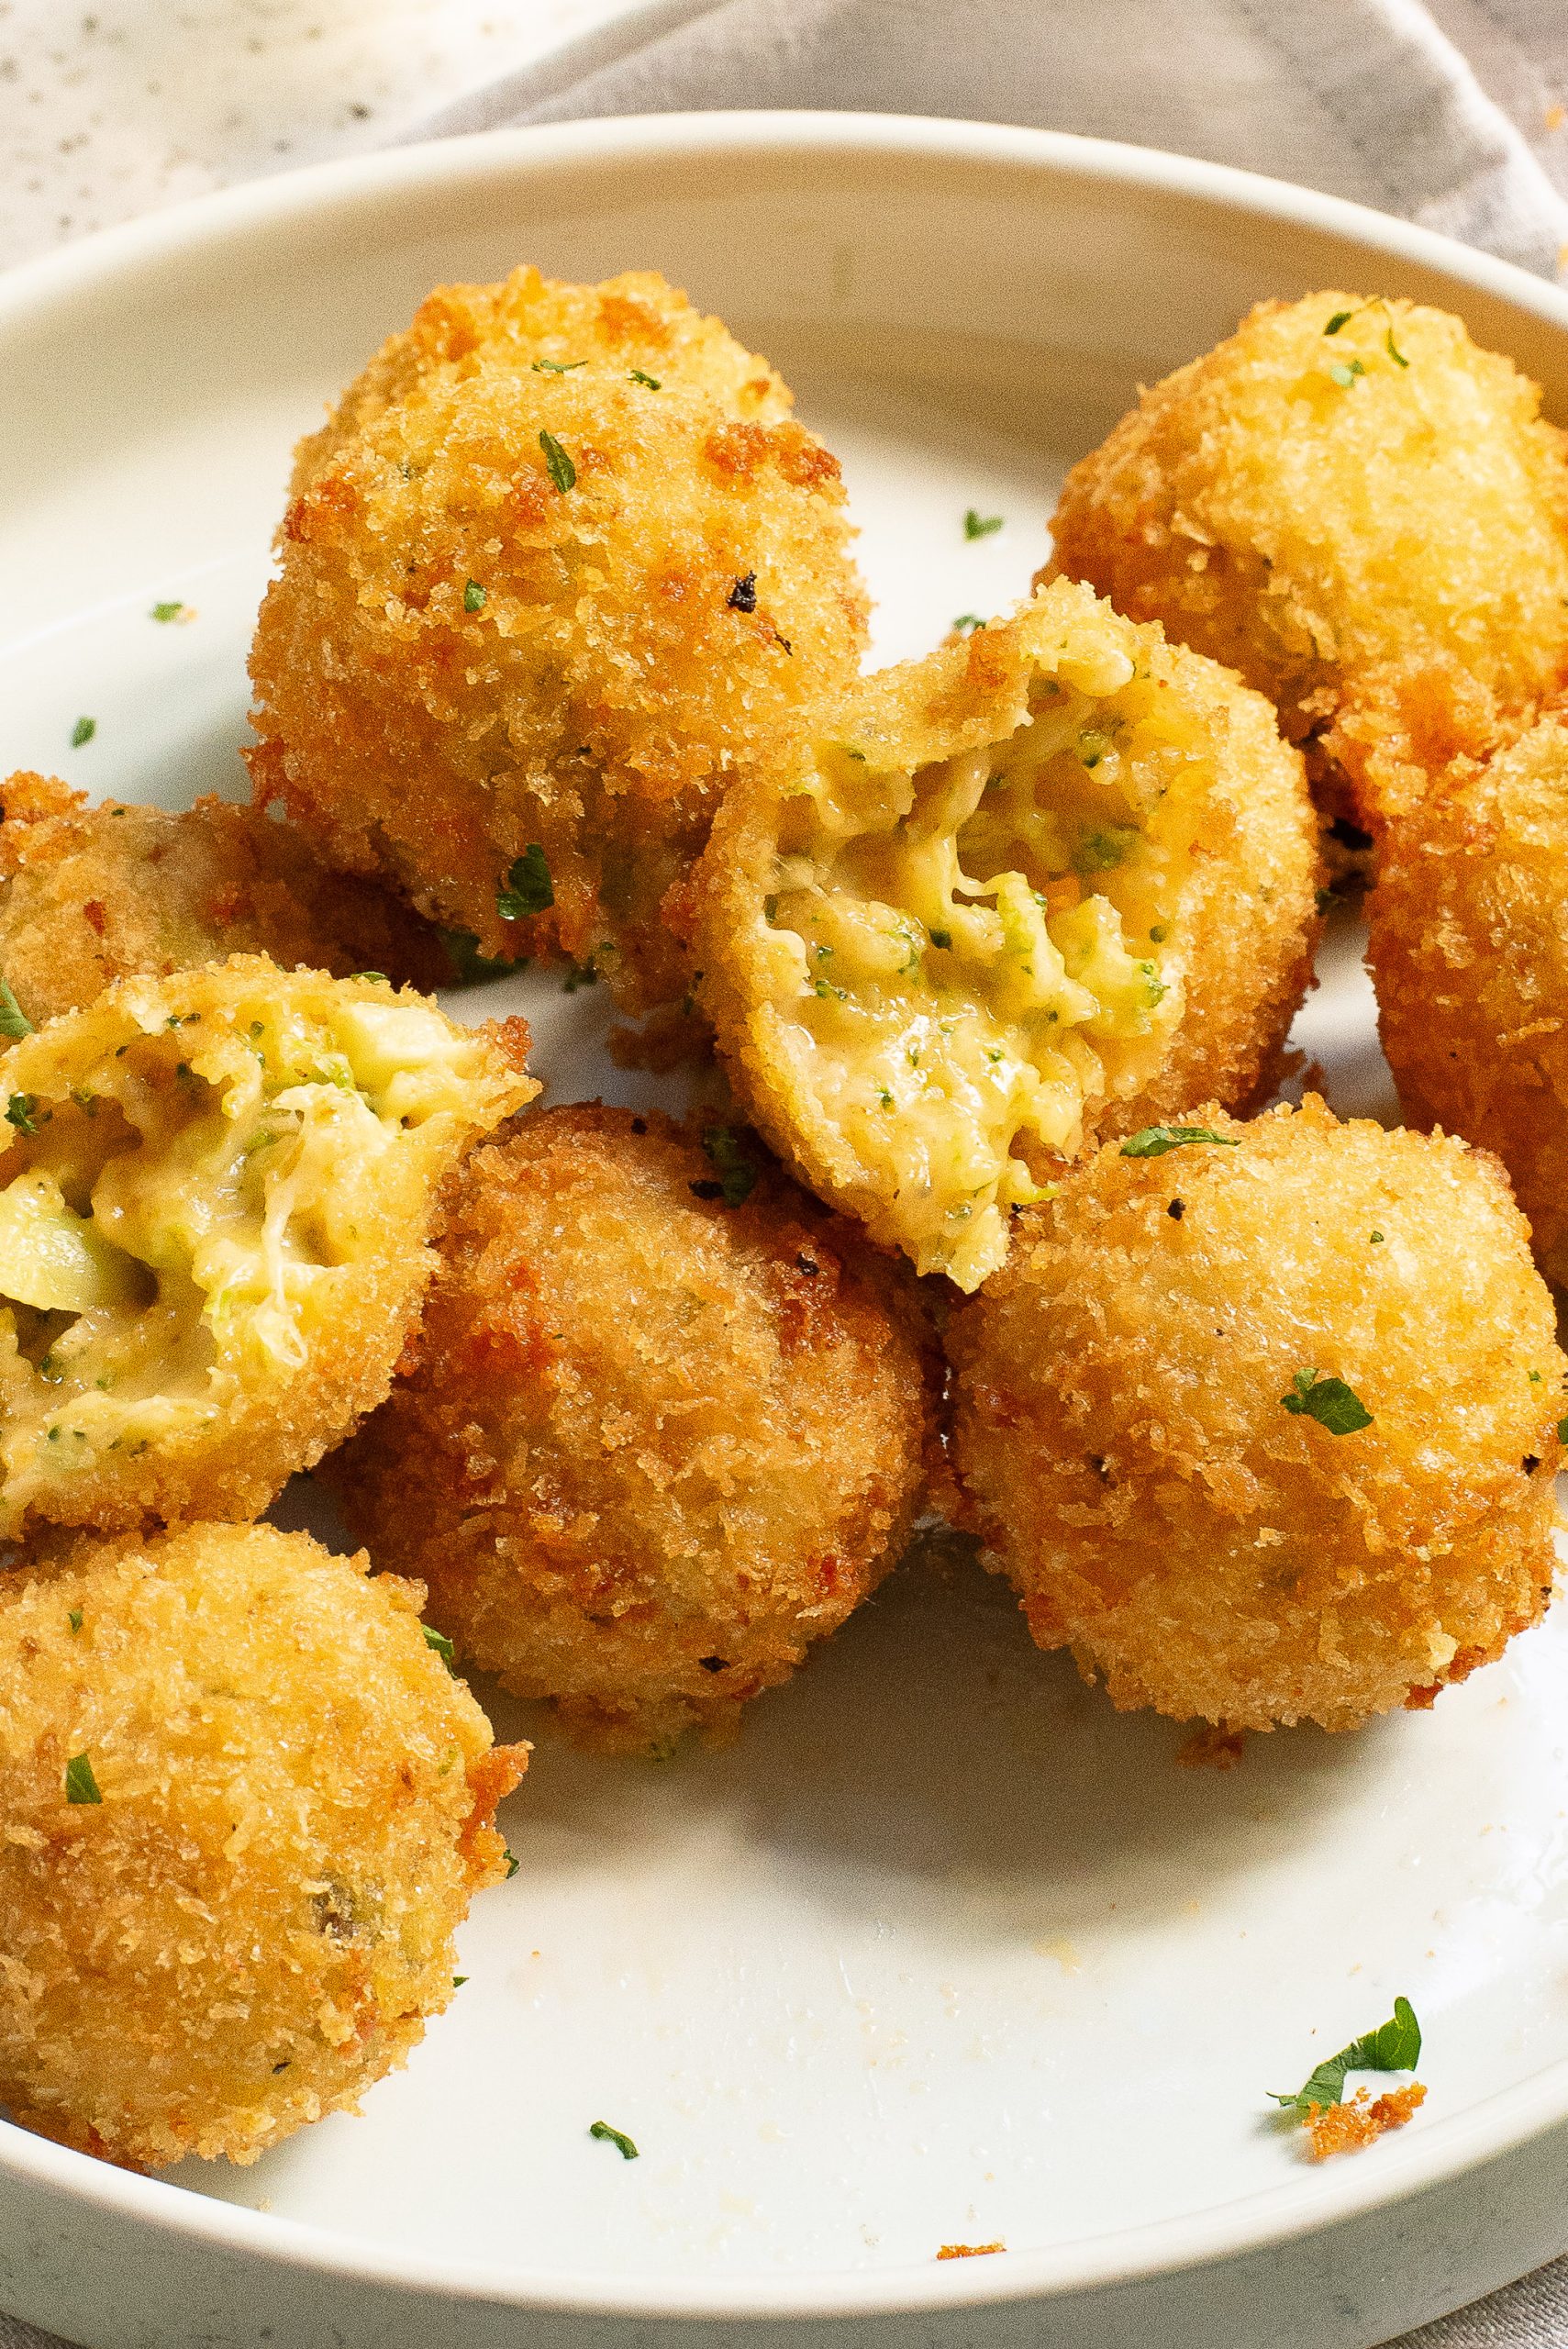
{"type": "Point", "coordinates": [969, 2250]}
{"type": "Point", "coordinates": [1250, 1468]}
{"type": "Point", "coordinates": [1381, 548]}
{"type": "Point", "coordinates": [91, 894]}
{"type": "Point", "coordinates": [253, 1919]}
{"type": "Point", "coordinates": [668, 1425]}
{"type": "Point", "coordinates": [504, 625]}
{"type": "Point", "coordinates": [1360, 2120]}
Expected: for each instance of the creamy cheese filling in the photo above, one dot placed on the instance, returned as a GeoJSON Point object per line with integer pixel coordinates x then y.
{"type": "Point", "coordinates": [967, 956]}
{"type": "Point", "coordinates": [178, 1197]}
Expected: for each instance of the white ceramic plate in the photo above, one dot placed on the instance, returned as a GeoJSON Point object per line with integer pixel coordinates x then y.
{"type": "Point", "coordinates": [944, 1949]}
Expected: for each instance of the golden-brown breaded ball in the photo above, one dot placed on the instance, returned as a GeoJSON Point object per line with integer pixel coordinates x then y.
{"type": "Point", "coordinates": [668, 1424]}
{"type": "Point", "coordinates": [245, 1807]}
{"type": "Point", "coordinates": [1054, 880]}
{"type": "Point", "coordinates": [1264, 1427]}
{"type": "Point", "coordinates": [559, 567]}
{"type": "Point", "coordinates": [215, 1192]}
{"type": "Point", "coordinates": [1469, 953]}
{"type": "Point", "coordinates": [89, 894]}
{"type": "Point", "coordinates": [1358, 510]}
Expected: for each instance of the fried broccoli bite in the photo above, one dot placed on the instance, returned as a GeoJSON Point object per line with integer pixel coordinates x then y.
{"type": "Point", "coordinates": [89, 894]}
{"type": "Point", "coordinates": [1261, 1420]}
{"type": "Point", "coordinates": [668, 1424]}
{"type": "Point", "coordinates": [245, 1808]}
{"type": "Point", "coordinates": [1358, 511]}
{"type": "Point", "coordinates": [1469, 951]}
{"type": "Point", "coordinates": [1057, 878]}
{"type": "Point", "coordinates": [559, 567]}
{"type": "Point", "coordinates": [215, 1196]}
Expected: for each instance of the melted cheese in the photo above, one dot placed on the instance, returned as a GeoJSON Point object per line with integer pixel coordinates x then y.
{"type": "Point", "coordinates": [967, 956]}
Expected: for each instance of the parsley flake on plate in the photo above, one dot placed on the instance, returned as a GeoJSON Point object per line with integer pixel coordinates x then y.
{"type": "Point", "coordinates": [529, 890]}
{"type": "Point", "coordinates": [440, 1642]}
{"type": "Point", "coordinates": [474, 596]}
{"type": "Point", "coordinates": [1329, 1401]}
{"type": "Point", "coordinates": [83, 731]}
{"type": "Point", "coordinates": [1394, 2046]}
{"type": "Point", "coordinates": [80, 1786]}
{"type": "Point", "coordinates": [966, 623]}
{"type": "Point", "coordinates": [19, 1112]}
{"type": "Point", "coordinates": [616, 2137]}
{"type": "Point", "coordinates": [1153, 1141]}
{"type": "Point", "coordinates": [981, 525]}
{"type": "Point", "coordinates": [166, 612]}
{"type": "Point", "coordinates": [558, 366]}
{"type": "Point", "coordinates": [558, 464]}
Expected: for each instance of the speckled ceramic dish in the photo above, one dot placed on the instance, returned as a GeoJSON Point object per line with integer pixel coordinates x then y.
{"type": "Point", "coordinates": [944, 1950]}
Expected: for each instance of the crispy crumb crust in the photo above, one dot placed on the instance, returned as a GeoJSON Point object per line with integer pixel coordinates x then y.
{"type": "Point", "coordinates": [297, 1802]}
{"type": "Point", "coordinates": [1246, 919]}
{"type": "Point", "coordinates": [1469, 952]}
{"type": "Point", "coordinates": [650, 1446]}
{"type": "Point", "coordinates": [205, 1130]}
{"type": "Point", "coordinates": [644, 634]}
{"type": "Point", "coordinates": [89, 894]}
{"type": "Point", "coordinates": [1121, 1433]}
{"type": "Point", "coordinates": [1383, 552]}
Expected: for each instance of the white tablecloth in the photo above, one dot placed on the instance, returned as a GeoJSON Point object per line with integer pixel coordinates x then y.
{"type": "Point", "coordinates": [1454, 113]}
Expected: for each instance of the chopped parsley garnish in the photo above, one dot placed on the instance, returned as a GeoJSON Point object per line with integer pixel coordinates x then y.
{"type": "Point", "coordinates": [19, 1112]}
{"type": "Point", "coordinates": [1153, 1141]}
{"type": "Point", "coordinates": [83, 731]}
{"type": "Point", "coordinates": [79, 1784]}
{"type": "Point", "coordinates": [1562, 1430]}
{"type": "Point", "coordinates": [51, 1372]}
{"type": "Point", "coordinates": [14, 1021]}
{"type": "Point", "coordinates": [473, 596]}
{"type": "Point", "coordinates": [1329, 1401]}
{"type": "Point", "coordinates": [1340, 319]}
{"type": "Point", "coordinates": [1394, 351]}
{"type": "Point", "coordinates": [743, 597]}
{"type": "Point", "coordinates": [458, 1981]}
{"type": "Point", "coordinates": [73, 1616]}
{"type": "Point", "coordinates": [649, 383]}
{"type": "Point", "coordinates": [512, 1864]}
{"type": "Point", "coordinates": [980, 526]}
{"type": "Point", "coordinates": [616, 2137]}
{"type": "Point", "coordinates": [472, 968]}
{"type": "Point", "coordinates": [736, 1176]}
{"type": "Point", "coordinates": [439, 1642]}
{"type": "Point", "coordinates": [1345, 374]}
{"type": "Point", "coordinates": [166, 611]}
{"type": "Point", "coordinates": [943, 938]}
{"type": "Point", "coordinates": [529, 889]}
{"type": "Point", "coordinates": [1377, 1239]}
{"type": "Point", "coordinates": [966, 623]}
{"type": "Point", "coordinates": [558, 464]}
{"type": "Point", "coordinates": [1394, 2046]}
{"type": "Point", "coordinates": [558, 366]}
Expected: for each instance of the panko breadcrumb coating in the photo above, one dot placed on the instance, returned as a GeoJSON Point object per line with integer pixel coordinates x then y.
{"type": "Point", "coordinates": [1153, 1434]}
{"type": "Point", "coordinates": [559, 567]}
{"type": "Point", "coordinates": [667, 1424]}
{"type": "Point", "coordinates": [215, 1196]}
{"type": "Point", "coordinates": [1362, 514]}
{"type": "Point", "coordinates": [89, 894]}
{"type": "Point", "coordinates": [1057, 878]}
{"type": "Point", "coordinates": [245, 1807]}
{"type": "Point", "coordinates": [1469, 952]}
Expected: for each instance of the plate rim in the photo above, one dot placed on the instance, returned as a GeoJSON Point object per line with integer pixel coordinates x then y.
{"type": "Point", "coordinates": [1444, 2150]}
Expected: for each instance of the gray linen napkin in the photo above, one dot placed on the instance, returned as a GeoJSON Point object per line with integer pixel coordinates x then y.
{"type": "Point", "coordinates": [1446, 114]}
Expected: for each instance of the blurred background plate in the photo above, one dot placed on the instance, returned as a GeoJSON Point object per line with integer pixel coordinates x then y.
{"type": "Point", "coordinates": [944, 1950]}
